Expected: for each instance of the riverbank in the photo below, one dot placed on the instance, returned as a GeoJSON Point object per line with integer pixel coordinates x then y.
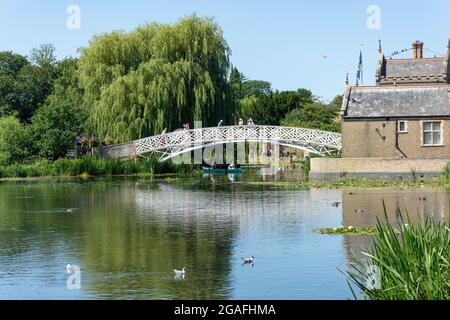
{"type": "Point", "coordinates": [91, 167]}
{"type": "Point", "coordinates": [175, 176]}
{"type": "Point", "coordinates": [358, 183]}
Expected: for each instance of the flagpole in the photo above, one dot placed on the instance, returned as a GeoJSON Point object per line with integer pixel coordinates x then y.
{"type": "Point", "coordinates": [362, 69]}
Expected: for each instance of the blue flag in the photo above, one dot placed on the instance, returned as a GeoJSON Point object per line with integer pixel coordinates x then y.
{"type": "Point", "coordinates": [359, 72]}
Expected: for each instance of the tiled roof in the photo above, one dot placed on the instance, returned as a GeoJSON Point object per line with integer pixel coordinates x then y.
{"type": "Point", "coordinates": [406, 71]}
{"type": "Point", "coordinates": [396, 101]}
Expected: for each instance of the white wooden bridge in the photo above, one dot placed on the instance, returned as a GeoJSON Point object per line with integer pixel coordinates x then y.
{"type": "Point", "coordinates": [175, 143]}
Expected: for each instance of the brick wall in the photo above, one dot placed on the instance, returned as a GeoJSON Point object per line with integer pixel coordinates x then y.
{"type": "Point", "coordinates": [376, 139]}
{"type": "Point", "coordinates": [373, 167]}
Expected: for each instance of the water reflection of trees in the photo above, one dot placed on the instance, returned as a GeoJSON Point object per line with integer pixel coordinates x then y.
{"type": "Point", "coordinates": [128, 234]}
{"type": "Point", "coordinates": [146, 234]}
{"type": "Point", "coordinates": [32, 214]}
{"type": "Point", "coordinates": [125, 250]}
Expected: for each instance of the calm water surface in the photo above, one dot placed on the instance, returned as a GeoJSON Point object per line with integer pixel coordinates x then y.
{"type": "Point", "coordinates": [128, 234]}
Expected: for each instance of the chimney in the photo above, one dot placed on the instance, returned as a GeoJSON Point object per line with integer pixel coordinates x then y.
{"type": "Point", "coordinates": [417, 50]}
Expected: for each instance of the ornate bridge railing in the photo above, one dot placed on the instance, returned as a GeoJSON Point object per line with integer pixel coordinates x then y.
{"type": "Point", "coordinates": [178, 142]}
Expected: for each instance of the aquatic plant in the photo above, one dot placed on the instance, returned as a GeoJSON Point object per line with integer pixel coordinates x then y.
{"type": "Point", "coordinates": [347, 230]}
{"type": "Point", "coordinates": [410, 265]}
{"type": "Point", "coordinates": [446, 172]}
{"type": "Point", "coordinates": [413, 174]}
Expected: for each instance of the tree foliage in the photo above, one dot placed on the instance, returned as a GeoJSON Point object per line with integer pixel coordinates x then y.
{"type": "Point", "coordinates": [336, 103]}
{"type": "Point", "coordinates": [133, 85]}
{"type": "Point", "coordinates": [44, 56]}
{"type": "Point", "coordinates": [157, 76]}
{"type": "Point", "coordinates": [236, 81]}
{"type": "Point", "coordinates": [11, 63]}
{"type": "Point", "coordinates": [56, 124]}
{"type": "Point", "coordinates": [13, 140]}
{"type": "Point", "coordinates": [24, 86]}
{"type": "Point", "coordinates": [314, 116]}
{"type": "Point", "coordinates": [256, 87]}
{"type": "Point", "coordinates": [270, 109]}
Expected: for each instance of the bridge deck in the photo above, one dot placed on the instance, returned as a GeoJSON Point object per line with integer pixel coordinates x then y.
{"type": "Point", "coordinates": [178, 142]}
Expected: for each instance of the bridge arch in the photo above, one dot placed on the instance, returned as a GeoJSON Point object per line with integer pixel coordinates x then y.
{"type": "Point", "coordinates": [176, 143]}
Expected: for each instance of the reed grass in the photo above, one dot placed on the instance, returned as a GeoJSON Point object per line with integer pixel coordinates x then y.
{"type": "Point", "coordinates": [413, 174]}
{"type": "Point", "coordinates": [412, 264]}
{"type": "Point", "coordinates": [446, 172]}
{"type": "Point", "coordinates": [88, 166]}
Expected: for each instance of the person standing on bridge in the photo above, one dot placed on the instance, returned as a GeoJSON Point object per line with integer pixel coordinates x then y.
{"type": "Point", "coordinates": [164, 136]}
{"type": "Point", "coordinates": [241, 122]}
{"type": "Point", "coordinates": [250, 122]}
{"type": "Point", "coordinates": [186, 134]}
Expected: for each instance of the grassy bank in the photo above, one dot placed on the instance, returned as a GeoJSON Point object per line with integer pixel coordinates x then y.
{"type": "Point", "coordinates": [91, 167]}
{"type": "Point", "coordinates": [412, 263]}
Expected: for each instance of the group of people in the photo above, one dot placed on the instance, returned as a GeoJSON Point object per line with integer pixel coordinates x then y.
{"type": "Point", "coordinates": [231, 166]}
{"type": "Point", "coordinates": [241, 122]}
{"type": "Point", "coordinates": [87, 145]}
{"type": "Point", "coordinates": [186, 127]}
{"type": "Point", "coordinates": [249, 122]}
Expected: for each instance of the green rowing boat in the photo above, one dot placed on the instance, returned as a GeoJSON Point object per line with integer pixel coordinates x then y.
{"type": "Point", "coordinates": [221, 170]}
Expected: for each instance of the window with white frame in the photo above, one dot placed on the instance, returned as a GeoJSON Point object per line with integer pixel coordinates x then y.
{"type": "Point", "coordinates": [432, 133]}
{"type": "Point", "coordinates": [402, 126]}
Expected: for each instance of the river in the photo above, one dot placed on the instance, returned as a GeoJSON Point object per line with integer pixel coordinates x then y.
{"type": "Point", "coordinates": [128, 234]}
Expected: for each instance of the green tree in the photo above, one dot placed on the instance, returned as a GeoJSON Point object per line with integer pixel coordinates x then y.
{"type": "Point", "coordinates": [314, 116]}
{"type": "Point", "coordinates": [270, 109]}
{"type": "Point", "coordinates": [336, 103]}
{"type": "Point", "coordinates": [157, 76]}
{"type": "Point", "coordinates": [256, 87]}
{"type": "Point", "coordinates": [237, 80]}
{"type": "Point", "coordinates": [56, 124]}
{"type": "Point", "coordinates": [44, 56]}
{"type": "Point", "coordinates": [11, 63]}
{"type": "Point", "coordinates": [13, 140]}
{"type": "Point", "coordinates": [12, 99]}
{"type": "Point", "coordinates": [24, 86]}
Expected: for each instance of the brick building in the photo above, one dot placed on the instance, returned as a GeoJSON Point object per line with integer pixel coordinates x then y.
{"type": "Point", "coordinates": [406, 115]}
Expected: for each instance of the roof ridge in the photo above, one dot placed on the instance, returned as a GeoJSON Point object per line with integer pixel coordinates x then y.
{"type": "Point", "coordinates": [410, 85]}
{"type": "Point", "coordinates": [413, 59]}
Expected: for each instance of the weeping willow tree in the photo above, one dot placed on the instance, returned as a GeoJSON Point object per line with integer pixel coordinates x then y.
{"type": "Point", "coordinates": [157, 76]}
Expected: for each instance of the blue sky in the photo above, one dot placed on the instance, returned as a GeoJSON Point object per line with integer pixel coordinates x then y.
{"type": "Point", "coordinates": [278, 41]}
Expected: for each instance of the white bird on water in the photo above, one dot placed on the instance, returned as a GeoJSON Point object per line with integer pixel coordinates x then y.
{"type": "Point", "coordinates": [69, 268]}
{"type": "Point", "coordinates": [180, 273]}
{"type": "Point", "coordinates": [249, 259]}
